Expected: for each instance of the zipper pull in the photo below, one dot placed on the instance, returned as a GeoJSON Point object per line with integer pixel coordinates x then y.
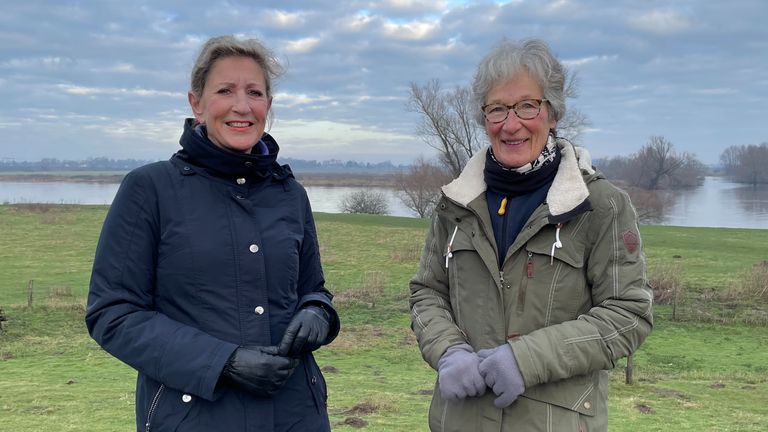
{"type": "Point", "coordinates": [503, 207]}
{"type": "Point", "coordinates": [530, 265]}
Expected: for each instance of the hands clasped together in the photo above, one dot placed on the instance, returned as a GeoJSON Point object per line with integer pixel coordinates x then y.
{"type": "Point", "coordinates": [263, 371]}
{"type": "Point", "coordinates": [463, 373]}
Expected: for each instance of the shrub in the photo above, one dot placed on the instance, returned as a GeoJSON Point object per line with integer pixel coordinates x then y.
{"type": "Point", "coordinates": [365, 201]}
{"type": "Point", "coordinates": [667, 285]}
{"type": "Point", "coordinates": [754, 284]}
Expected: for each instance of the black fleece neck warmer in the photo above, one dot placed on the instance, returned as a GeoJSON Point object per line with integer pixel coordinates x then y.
{"type": "Point", "coordinates": [511, 183]}
{"type": "Point", "coordinates": [201, 151]}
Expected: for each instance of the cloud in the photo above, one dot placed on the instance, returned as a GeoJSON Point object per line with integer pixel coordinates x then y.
{"type": "Point", "coordinates": [661, 22]}
{"type": "Point", "coordinates": [588, 60]}
{"type": "Point", "coordinates": [91, 91]}
{"type": "Point", "coordinates": [303, 46]}
{"type": "Point", "coordinates": [283, 19]}
{"type": "Point", "coordinates": [411, 31]}
{"type": "Point", "coordinates": [714, 91]}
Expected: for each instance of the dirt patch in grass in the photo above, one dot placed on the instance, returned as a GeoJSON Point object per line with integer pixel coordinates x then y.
{"type": "Point", "coordinates": [354, 422]}
{"type": "Point", "coordinates": [362, 408]}
{"type": "Point", "coordinates": [643, 408]}
{"type": "Point", "coordinates": [672, 393]}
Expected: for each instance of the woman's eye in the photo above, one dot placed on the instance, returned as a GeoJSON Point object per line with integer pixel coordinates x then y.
{"type": "Point", "coordinates": [223, 91]}
{"type": "Point", "coordinates": [525, 105]}
{"type": "Point", "coordinates": [256, 93]}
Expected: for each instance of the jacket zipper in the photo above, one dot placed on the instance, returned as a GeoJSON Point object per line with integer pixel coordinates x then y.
{"type": "Point", "coordinates": [529, 272]}
{"type": "Point", "coordinates": [153, 406]}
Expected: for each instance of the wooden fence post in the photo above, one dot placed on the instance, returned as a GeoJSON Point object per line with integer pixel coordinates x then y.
{"type": "Point", "coordinates": [628, 371]}
{"type": "Point", "coordinates": [30, 293]}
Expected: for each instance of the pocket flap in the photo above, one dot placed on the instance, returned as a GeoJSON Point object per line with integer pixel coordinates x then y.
{"type": "Point", "coordinates": [576, 394]}
{"type": "Point", "coordinates": [570, 253]}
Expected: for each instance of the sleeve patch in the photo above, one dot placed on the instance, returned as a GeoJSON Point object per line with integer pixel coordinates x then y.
{"type": "Point", "coordinates": [631, 241]}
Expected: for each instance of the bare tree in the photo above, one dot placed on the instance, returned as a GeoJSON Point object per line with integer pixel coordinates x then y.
{"type": "Point", "coordinates": [419, 187]}
{"type": "Point", "coordinates": [365, 201]}
{"type": "Point", "coordinates": [656, 166]}
{"type": "Point", "coordinates": [447, 122]}
{"type": "Point", "coordinates": [747, 163]}
{"type": "Point", "coordinates": [574, 122]}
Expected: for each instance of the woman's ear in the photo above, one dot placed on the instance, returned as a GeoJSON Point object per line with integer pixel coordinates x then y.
{"type": "Point", "coordinates": [194, 103]}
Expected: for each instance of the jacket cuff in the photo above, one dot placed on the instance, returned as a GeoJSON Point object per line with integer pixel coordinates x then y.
{"type": "Point", "coordinates": [525, 362]}
{"type": "Point", "coordinates": [209, 389]}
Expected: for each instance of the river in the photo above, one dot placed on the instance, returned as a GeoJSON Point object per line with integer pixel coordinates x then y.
{"type": "Point", "coordinates": [717, 203]}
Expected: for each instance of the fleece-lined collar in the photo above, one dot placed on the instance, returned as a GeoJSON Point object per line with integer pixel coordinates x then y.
{"type": "Point", "coordinates": [567, 196]}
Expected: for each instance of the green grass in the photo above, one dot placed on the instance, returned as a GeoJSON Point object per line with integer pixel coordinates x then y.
{"type": "Point", "coordinates": [711, 258]}
{"type": "Point", "coordinates": [689, 376]}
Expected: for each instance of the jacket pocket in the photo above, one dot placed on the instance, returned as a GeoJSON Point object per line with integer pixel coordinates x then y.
{"type": "Point", "coordinates": [579, 393]}
{"type": "Point", "coordinates": [553, 281]}
{"type": "Point", "coordinates": [160, 408]}
{"type": "Point", "coordinates": [316, 382]}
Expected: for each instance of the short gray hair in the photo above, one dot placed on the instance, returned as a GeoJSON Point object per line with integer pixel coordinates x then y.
{"type": "Point", "coordinates": [507, 59]}
{"type": "Point", "coordinates": [220, 47]}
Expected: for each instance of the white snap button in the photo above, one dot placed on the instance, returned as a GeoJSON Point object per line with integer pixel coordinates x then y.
{"type": "Point", "coordinates": [587, 405]}
{"type": "Point", "coordinates": [186, 398]}
{"type": "Point", "coordinates": [259, 310]}
{"type": "Point", "coordinates": [241, 181]}
{"type": "Point", "coordinates": [253, 248]}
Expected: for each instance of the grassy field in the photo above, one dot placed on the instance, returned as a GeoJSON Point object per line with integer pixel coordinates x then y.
{"type": "Point", "coordinates": [690, 376]}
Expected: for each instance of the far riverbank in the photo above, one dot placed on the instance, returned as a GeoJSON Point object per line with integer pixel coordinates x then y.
{"type": "Point", "coordinates": [306, 179]}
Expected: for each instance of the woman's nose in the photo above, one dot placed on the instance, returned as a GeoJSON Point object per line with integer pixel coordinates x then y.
{"type": "Point", "coordinates": [511, 123]}
{"type": "Point", "coordinates": [240, 104]}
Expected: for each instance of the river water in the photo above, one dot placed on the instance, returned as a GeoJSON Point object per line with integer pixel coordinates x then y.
{"type": "Point", "coordinates": [717, 203]}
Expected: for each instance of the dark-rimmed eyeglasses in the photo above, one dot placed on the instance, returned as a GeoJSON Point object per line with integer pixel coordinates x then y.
{"type": "Point", "coordinates": [525, 110]}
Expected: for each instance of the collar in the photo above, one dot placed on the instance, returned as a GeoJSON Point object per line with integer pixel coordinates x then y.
{"type": "Point", "coordinates": [198, 150]}
{"type": "Point", "coordinates": [568, 193]}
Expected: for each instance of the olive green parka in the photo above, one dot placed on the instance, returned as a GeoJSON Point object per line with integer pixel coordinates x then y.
{"type": "Point", "coordinates": [571, 297]}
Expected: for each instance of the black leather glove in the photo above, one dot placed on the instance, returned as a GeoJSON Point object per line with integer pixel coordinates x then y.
{"type": "Point", "coordinates": [306, 332]}
{"type": "Point", "coordinates": [258, 370]}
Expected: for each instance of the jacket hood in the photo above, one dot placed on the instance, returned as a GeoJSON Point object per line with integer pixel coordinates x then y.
{"type": "Point", "coordinates": [198, 150]}
{"type": "Point", "coordinates": [567, 195]}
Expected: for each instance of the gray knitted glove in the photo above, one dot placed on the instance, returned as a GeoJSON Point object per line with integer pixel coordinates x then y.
{"type": "Point", "coordinates": [458, 373]}
{"type": "Point", "coordinates": [498, 367]}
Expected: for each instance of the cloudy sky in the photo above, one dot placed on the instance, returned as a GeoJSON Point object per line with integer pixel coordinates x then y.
{"type": "Point", "coordinates": [83, 79]}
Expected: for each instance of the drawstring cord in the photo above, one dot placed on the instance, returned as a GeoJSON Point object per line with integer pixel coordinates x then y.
{"type": "Point", "coordinates": [556, 245]}
{"type": "Point", "coordinates": [449, 254]}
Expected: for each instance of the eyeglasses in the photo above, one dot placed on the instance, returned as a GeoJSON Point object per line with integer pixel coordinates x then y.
{"type": "Point", "coordinates": [525, 110]}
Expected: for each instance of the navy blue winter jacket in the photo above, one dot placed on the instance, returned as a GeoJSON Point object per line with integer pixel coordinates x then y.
{"type": "Point", "coordinates": [198, 255]}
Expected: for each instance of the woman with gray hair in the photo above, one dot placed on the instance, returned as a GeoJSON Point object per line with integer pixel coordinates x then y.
{"type": "Point", "coordinates": [207, 276]}
{"type": "Point", "coordinates": [532, 281]}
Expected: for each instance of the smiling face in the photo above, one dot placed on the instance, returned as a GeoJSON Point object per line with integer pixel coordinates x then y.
{"type": "Point", "coordinates": [234, 103]}
{"type": "Point", "coordinates": [516, 142]}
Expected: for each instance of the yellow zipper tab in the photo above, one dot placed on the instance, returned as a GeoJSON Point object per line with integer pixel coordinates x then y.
{"type": "Point", "coordinates": [503, 207]}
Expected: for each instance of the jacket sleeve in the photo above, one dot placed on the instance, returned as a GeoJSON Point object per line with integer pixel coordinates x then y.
{"type": "Point", "coordinates": [432, 318]}
{"type": "Point", "coordinates": [120, 313]}
{"type": "Point", "coordinates": [621, 316]}
{"type": "Point", "coordinates": [311, 280]}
